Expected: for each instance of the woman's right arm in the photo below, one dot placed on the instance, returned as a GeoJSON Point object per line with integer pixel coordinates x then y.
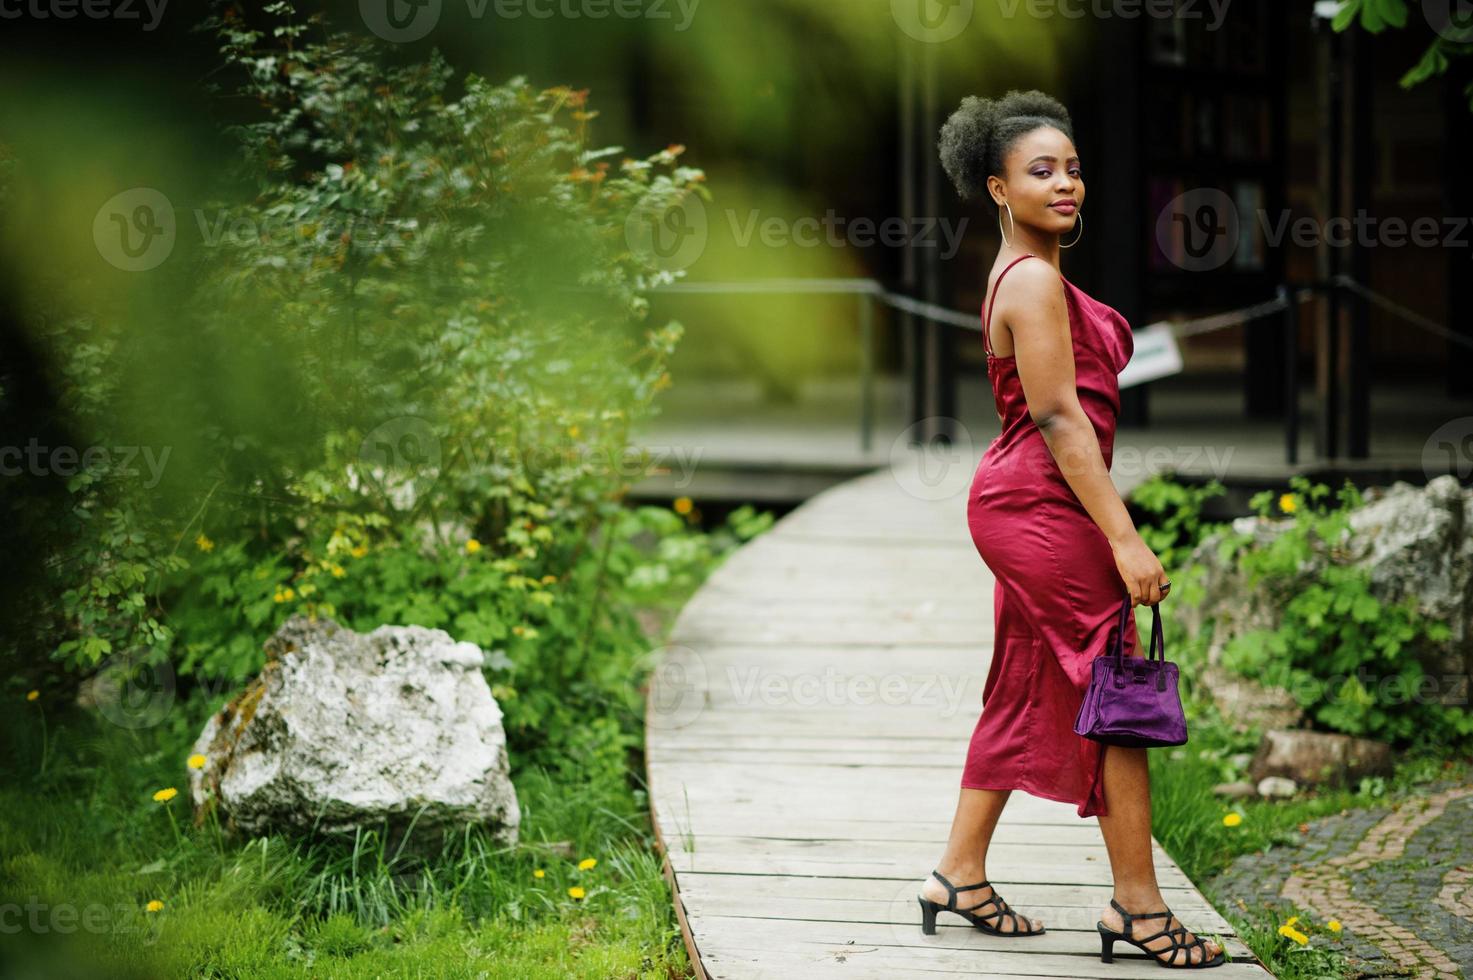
{"type": "Point", "coordinates": [1037, 318]}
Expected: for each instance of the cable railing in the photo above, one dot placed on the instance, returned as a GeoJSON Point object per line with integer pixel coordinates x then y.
{"type": "Point", "coordinates": [870, 291]}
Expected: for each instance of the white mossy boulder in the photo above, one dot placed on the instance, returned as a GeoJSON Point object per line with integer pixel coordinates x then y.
{"type": "Point", "coordinates": [396, 728]}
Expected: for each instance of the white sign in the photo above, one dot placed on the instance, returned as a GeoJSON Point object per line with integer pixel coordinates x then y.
{"type": "Point", "coordinates": [1156, 355]}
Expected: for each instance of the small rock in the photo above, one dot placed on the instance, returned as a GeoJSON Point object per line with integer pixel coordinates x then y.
{"type": "Point", "coordinates": [1277, 786]}
{"type": "Point", "coordinates": [1235, 790]}
{"type": "Point", "coordinates": [1240, 760]}
{"type": "Point", "coordinates": [1247, 704]}
{"type": "Point", "coordinates": [1312, 758]}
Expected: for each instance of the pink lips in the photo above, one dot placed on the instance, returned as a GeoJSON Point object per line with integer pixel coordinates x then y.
{"type": "Point", "coordinates": [1065, 207]}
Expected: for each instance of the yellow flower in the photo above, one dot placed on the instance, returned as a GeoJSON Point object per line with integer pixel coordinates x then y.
{"type": "Point", "coordinates": [1287, 503]}
{"type": "Point", "coordinates": [548, 579]}
{"type": "Point", "coordinates": [165, 795]}
{"type": "Point", "coordinates": [1289, 932]}
{"type": "Point", "coordinates": [576, 892]}
{"type": "Point", "coordinates": [1334, 926]}
{"type": "Point", "coordinates": [155, 906]}
{"type": "Point", "coordinates": [573, 431]}
{"type": "Point", "coordinates": [32, 695]}
{"type": "Point", "coordinates": [337, 570]}
{"type": "Point", "coordinates": [203, 543]}
{"type": "Point", "coordinates": [587, 863]}
{"type": "Point", "coordinates": [539, 873]}
{"type": "Point", "coordinates": [682, 505]}
{"type": "Point", "coordinates": [196, 761]}
{"type": "Point", "coordinates": [358, 550]}
{"type": "Point", "coordinates": [472, 546]}
{"type": "Point", "coordinates": [284, 595]}
{"type": "Point", "coordinates": [1292, 919]}
{"type": "Point", "coordinates": [1231, 819]}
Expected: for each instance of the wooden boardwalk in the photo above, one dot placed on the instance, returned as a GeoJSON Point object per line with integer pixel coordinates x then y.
{"type": "Point", "coordinates": [806, 733]}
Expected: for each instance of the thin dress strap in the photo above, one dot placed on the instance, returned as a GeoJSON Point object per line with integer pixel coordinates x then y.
{"type": "Point", "coordinates": [987, 320]}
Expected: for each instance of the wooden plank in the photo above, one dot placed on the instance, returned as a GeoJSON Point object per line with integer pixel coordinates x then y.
{"type": "Point", "coordinates": [803, 935]}
{"type": "Point", "coordinates": [891, 900]}
{"type": "Point", "coordinates": [738, 957]}
{"type": "Point", "coordinates": [805, 735]}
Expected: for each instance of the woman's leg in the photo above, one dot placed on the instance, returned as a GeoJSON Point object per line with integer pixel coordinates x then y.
{"type": "Point", "coordinates": [965, 859]}
{"type": "Point", "coordinates": [1127, 829]}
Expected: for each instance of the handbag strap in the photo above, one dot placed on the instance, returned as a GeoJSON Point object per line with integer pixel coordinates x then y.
{"type": "Point", "coordinates": [1158, 637]}
{"type": "Point", "coordinates": [1118, 646]}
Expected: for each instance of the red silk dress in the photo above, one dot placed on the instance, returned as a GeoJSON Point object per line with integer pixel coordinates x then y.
{"type": "Point", "coordinates": [1057, 595]}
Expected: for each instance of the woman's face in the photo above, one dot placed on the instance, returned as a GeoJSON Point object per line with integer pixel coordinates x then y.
{"type": "Point", "coordinates": [1043, 178]}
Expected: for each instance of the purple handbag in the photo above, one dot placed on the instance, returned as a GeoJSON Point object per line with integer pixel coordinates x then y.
{"type": "Point", "coordinates": [1133, 701]}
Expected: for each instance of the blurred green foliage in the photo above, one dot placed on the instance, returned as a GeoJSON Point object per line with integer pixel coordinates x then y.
{"type": "Point", "coordinates": [419, 332]}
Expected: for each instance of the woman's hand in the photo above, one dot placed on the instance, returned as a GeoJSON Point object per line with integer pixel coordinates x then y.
{"type": "Point", "coordinates": [1141, 570]}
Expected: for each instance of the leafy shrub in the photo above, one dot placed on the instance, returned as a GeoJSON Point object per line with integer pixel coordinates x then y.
{"type": "Point", "coordinates": [1175, 524]}
{"type": "Point", "coordinates": [402, 376]}
{"type": "Point", "coordinates": [1353, 662]}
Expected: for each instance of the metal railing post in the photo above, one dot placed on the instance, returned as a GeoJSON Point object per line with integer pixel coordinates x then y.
{"type": "Point", "coordinates": [1291, 376]}
{"type": "Point", "coordinates": [866, 370]}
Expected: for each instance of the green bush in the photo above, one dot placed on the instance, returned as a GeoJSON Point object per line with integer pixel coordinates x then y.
{"type": "Point", "coordinates": [1174, 510]}
{"type": "Point", "coordinates": [399, 378]}
{"type": "Point", "coordinates": [1334, 634]}
{"type": "Point", "coordinates": [1353, 662]}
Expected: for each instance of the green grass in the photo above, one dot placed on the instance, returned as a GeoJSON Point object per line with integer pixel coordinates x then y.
{"type": "Point", "coordinates": [85, 837]}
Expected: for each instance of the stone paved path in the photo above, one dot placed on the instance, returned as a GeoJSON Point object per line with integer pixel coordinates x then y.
{"type": "Point", "coordinates": [1399, 878]}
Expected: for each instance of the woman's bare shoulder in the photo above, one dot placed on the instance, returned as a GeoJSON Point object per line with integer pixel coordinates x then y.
{"type": "Point", "coordinates": [1033, 277]}
{"type": "Point", "coordinates": [1032, 284]}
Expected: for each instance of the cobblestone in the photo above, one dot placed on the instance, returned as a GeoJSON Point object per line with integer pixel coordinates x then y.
{"type": "Point", "coordinates": [1399, 879]}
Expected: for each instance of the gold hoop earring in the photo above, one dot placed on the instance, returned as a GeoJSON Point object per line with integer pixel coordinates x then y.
{"type": "Point", "coordinates": [1010, 221]}
{"type": "Point", "coordinates": [1080, 223]}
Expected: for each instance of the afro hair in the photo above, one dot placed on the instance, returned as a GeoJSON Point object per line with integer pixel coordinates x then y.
{"type": "Point", "coordinates": [978, 135]}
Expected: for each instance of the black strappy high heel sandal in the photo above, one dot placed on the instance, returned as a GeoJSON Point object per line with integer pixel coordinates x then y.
{"type": "Point", "coordinates": [1109, 937]}
{"type": "Point", "coordinates": [930, 908]}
